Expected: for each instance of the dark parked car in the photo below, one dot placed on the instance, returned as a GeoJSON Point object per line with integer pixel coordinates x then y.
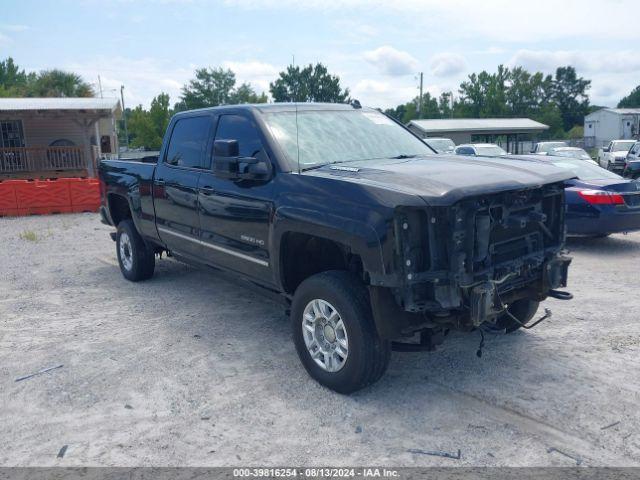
{"type": "Point", "coordinates": [349, 220]}
{"type": "Point", "coordinates": [599, 202]}
{"type": "Point", "coordinates": [632, 162]}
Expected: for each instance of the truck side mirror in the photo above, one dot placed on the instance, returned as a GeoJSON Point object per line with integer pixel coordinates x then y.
{"type": "Point", "coordinates": [228, 164]}
{"type": "Point", "coordinates": [225, 158]}
{"type": "Point", "coordinates": [226, 148]}
{"type": "Point", "coordinates": [605, 149]}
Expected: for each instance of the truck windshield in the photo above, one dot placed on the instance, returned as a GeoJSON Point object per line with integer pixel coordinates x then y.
{"type": "Point", "coordinates": [322, 137]}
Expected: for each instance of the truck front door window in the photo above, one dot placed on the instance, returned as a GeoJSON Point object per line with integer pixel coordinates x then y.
{"type": "Point", "coordinates": [235, 127]}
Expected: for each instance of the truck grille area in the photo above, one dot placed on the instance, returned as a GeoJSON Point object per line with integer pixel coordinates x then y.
{"type": "Point", "coordinates": [504, 239]}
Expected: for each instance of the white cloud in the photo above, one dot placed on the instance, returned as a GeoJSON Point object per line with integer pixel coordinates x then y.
{"type": "Point", "coordinates": [447, 64]}
{"type": "Point", "coordinates": [583, 60]}
{"type": "Point", "coordinates": [501, 20]}
{"type": "Point", "coordinates": [391, 61]}
{"type": "Point", "coordinates": [143, 78]}
{"type": "Point", "coordinates": [258, 74]}
{"type": "Point", "coordinates": [383, 94]}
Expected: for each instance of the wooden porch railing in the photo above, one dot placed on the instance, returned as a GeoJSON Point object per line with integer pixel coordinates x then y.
{"type": "Point", "coordinates": [41, 159]}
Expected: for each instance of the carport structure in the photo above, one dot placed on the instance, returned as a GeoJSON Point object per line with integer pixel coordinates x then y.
{"type": "Point", "coordinates": [476, 130]}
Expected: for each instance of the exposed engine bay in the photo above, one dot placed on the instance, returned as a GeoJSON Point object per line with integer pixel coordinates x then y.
{"type": "Point", "coordinates": [459, 267]}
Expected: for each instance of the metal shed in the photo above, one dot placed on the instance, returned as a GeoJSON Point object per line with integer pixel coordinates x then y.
{"type": "Point", "coordinates": [606, 124]}
{"type": "Point", "coordinates": [468, 130]}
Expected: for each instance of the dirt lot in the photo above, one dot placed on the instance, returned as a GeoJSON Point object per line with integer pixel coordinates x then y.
{"type": "Point", "coordinates": [188, 369]}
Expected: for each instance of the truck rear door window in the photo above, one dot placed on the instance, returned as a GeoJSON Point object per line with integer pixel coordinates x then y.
{"type": "Point", "coordinates": [188, 142]}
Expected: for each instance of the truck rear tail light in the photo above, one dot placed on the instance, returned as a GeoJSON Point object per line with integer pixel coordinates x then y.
{"type": "Point", "coordinates": [600, 197]}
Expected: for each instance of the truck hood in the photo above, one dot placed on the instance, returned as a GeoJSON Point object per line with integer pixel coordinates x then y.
{"type": "Point", "coordinates": [445, 179]}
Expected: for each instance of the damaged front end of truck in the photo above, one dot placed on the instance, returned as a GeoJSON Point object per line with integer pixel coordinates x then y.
{"type": "Point", "coordinates": [461, 266]}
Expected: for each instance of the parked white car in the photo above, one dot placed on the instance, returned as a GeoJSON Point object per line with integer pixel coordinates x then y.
{"type": "Point", "coordinates": [480, 150]}
{"type": "Point", "coordinates": [613, 156]}
{"type": "Point", "coordinates": [571, 152]}
{"type": "Point", "coordinates": [543, 148]}
{"type": "Point", "coordinates": [440, 145]}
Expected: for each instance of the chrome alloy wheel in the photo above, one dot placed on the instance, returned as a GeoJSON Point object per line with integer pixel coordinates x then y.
{"type": "Point", "coordinates": [126, 254]}
{"type": "Point", "coordinates": [325, 335]}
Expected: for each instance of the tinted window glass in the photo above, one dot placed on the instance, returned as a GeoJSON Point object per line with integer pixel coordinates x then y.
{"type": "Point", "coordinates": [188, 141]}
{"type": "Point", "coordinates": [465, 151]}
{"type": "Point", "coordinates": [235, 127]}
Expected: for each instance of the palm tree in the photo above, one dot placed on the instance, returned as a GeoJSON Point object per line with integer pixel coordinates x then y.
{"type": "Point", "coordinates": [58, 83]}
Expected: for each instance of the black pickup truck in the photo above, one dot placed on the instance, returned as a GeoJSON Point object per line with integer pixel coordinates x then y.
{"type": "Point", "coordinates": [365, 233]}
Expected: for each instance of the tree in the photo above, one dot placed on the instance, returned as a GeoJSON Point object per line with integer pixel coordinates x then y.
{"type": "Point", "coordinates": [527, 93]}
{"type": "Point", "coordinates": [210, 88]}
{"type": "Point", "coordinates": [216, 86]}
{"type": "Point", "coordinates": [246, 94]}
{"type": "Point", "coordinates": [484, 94]}
{"type": "Point", "coordinates": [445, 105]}
{"type": "Point", "coordinates": [632, 100]}
{"type": "Point", "coordinates": [13, 81]}
{"type": "Point", "coordinates": [309, 84]}
{"type": "Point", "coordinates": [58, 83]}
{"type": "Point", "coordinates": [146, 128]}
{"type": "Point", "coordinates": [570, 95]}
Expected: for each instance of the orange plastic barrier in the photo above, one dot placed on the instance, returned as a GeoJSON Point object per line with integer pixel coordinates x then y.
{"type": "Point", "coordinates": [85, 194]}
{"type": "Point", "coordinates": [8, 201]}
{"type": "Point", "coordinates": [43, 193]}
{"type": "Point", "coordinates": [42, 197]}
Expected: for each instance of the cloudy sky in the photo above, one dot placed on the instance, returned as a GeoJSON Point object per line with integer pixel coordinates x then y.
{"type": "Point", "coordinates": [377, 47]}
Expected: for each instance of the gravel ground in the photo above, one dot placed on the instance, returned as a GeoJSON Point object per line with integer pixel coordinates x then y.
{"type": "Point", "coordinates": [188, 369]}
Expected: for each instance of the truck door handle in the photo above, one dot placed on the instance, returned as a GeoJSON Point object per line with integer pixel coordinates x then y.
{"type": "Point", "coordinates": [207, 189]}
{"type": "Point", "coordinates": [160, 181]}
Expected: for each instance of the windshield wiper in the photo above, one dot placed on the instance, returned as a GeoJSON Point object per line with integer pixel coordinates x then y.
{"type": "Point", "coordinates": [402, 156]}
{"type": "Point", "coordinates": [319, 165]}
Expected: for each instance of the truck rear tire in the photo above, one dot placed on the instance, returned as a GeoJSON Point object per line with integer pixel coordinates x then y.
{"type": "Point", "coordinates": [524, 310]}
{"type": "Point", "coordinates": [137, 261]}
{"type": "Point", "coordinates": [334, 332]}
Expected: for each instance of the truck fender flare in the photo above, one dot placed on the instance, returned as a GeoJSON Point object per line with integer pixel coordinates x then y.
{"type": "Point", "coordinates": [135, 212]}
{"type": "Point", "coordinates": [362, 238]}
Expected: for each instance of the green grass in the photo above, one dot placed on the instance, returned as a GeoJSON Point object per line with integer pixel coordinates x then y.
{"type": "Point", "coordinates": [29, 236]}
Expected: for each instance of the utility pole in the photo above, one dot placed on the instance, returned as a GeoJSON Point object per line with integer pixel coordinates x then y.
{"type": "Point", "coordinates": [420, 99]}
{"type": "Point", "coordinates": [451, 100]}
{"type": "Point", "coordinates": [124, 117]}
{"type": "Point", "coordinates": [100, 86]}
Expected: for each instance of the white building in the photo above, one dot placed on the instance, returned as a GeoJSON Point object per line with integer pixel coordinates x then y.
{"type": "Point", "coordinates": [604, 125]}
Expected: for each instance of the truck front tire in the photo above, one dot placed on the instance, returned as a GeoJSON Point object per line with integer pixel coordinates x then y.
{"type": "Point", "coordinates": [334, 333]}
{"type": "Point", "coordinates": [136, 260]}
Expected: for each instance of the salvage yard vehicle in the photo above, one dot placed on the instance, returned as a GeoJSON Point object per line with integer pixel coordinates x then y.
{"type": "Point", "coordinates": [480, 149]}
{"type": "Point", "coordinates": [350, 220]}
{"type": "Point", "coordinates": [613, 156]}
{"type": "Point", "coordinates": [599, 202]}
{"type": "Point", "coordinates": [571, 152]}
{"type": "Point", "coordinates": [440, 145]}
{"type": "Point", "coordinates": [543, 148]}
{"type": "Point", "coordinates": [632, 162]}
